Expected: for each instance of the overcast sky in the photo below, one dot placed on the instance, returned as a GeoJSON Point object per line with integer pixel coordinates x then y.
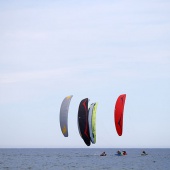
{"type": "Point", "coordinates": [94, 49]}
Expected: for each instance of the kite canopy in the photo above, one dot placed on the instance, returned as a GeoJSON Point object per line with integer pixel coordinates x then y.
{"type": "Point", "coordinates": [92, 122]}
{"type": "Point", "coordinates": [64, 115]}
{"type": "Point", "coordinates": [83, 125]}
{"type": "Point", "coordinates": [118, 114]}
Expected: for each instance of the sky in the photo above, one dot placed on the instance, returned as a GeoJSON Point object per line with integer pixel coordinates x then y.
{"type": "Point", "coordinates": [89, 49]}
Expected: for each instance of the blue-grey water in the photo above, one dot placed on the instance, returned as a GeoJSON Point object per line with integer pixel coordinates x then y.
{"type": "Point", "coordinates": [61, 159]}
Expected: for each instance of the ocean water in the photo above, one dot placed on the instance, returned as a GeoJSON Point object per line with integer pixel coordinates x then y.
{"type": "Point", "coordinates": [61, 159]}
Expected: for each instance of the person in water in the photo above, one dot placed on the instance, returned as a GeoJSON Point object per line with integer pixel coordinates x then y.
{"type": "Point", "coordinates": [103, 154]}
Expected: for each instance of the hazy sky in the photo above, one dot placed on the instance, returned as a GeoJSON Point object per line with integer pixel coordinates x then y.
{"type": "Point", "coordinates": [95, 49]}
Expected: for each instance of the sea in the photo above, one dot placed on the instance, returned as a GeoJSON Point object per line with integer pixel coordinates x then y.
{"type": "Point", "coordinates": [84, 159]}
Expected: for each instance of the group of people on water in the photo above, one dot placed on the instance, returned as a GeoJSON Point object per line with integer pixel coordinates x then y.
{"type": "Point", "coordinates": [122, 153]}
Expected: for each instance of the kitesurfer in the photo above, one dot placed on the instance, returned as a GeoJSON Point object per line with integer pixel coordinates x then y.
{"type": "Point", "coordinates": [124, 152]}
{"type": "Point", "coordinates": [118, 152]}
{"type": "Point", "coordinates": [144, 152]}
{"type": "Point", "coordinates": [103, 154]}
